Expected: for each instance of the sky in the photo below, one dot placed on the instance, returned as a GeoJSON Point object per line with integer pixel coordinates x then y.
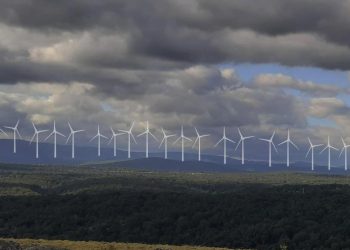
{"type": "Point", "coordinates": [258, 65]}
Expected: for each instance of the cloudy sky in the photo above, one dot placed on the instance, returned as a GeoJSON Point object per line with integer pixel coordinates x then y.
{"type": "Point", "coordinates": [258, 65]}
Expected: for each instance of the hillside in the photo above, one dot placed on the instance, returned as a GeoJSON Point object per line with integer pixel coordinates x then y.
{"type": "Point", "coordinates": [234, 210]}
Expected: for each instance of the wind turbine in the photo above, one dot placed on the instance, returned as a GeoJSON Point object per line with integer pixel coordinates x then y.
{"type": "Point", "coordinates": [130, 135]}
{"type": "Point", "coordinates": [329, 147]}
{"type": "Point", "coordinates": [182, 138]}
{"type": "Point", "coordinates": [241, 140]}
{"type": "Point", "coordinates": [114, 138]}
{"type": "Point", "coordinates": [72, 134]}
{"type": "Point", "coordinates": [311, 148]}
{"type": "Point", "coordinates": [198, 139]}
{"type": "Point", "coordinates": [224, 139]}
{"type": "Point", "coordinates": [15, 132]}
{"type": "Point", "coordinates": [165, 141]}
{"type": "Point", "coordinates": [98, 136]}
{"type": "Point", "coordinates": [345, 150]}
{"type": "Point", "coordinates": [270, 141]}
{"type": "Point", "coordinates": [288, 141]}
{"type": "Point", "coordinates": [36, 136]}
{"type": "Point", "coordinates": [54, 133]}
{"type": "Point", "coordinates": [146, 133]}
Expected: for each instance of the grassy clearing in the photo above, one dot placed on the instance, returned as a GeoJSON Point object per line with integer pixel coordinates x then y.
{"type": "Point", "coordinates": [93, 245]}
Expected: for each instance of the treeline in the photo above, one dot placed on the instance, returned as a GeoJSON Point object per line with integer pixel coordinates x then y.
{"type": "Point", "coordinates": [263, 217]}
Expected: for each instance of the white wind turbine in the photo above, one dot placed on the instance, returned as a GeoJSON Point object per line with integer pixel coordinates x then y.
{"type": "Point", "coordinates": [288, 141]}
{"type": "Point", "coordinates": [241, 140]}
{"type": "Point", "coordinates": [15, 132]}
{"type": "Point", "coordinates": [329, 147]}
{"type": "Point", "coordinates": [270, 141]}
{"type": "Point", "coordinates": [114, 138]}
{"type": "Point", "coordinates": [147, 132]}
{"type": "Point", "coordinates": [165, 141]}
{"type": "Point", "coordinates": [345, 150]}
{"type": "Point", "coordinates": [54, 133]}
{"type": "Point", "coordinates": [72, 134]}
{"type": "Point", "coordinates": [311, 148]}
{"type": "Point", "coordinates": [130, 135]}
{"type": "Point", "coordinates": [198, 139]}
{"type": "Point", "coordinates": [36, 136]}
{"type": "Point", "coordinates": [182, 138]}
{"type": "Point", "coordinates": [224, 139]}
{"type": "Point", "coordinates": [98, 136]}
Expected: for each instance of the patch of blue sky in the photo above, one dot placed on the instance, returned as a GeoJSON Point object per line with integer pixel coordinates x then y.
{"type": "Point", "coordinates": [315, 122]}
{"type": "Point", "coordinates": [247, 71]}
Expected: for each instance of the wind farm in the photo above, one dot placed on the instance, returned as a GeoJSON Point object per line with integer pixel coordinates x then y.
{"type": "Point", "coordinates": [154, 148]}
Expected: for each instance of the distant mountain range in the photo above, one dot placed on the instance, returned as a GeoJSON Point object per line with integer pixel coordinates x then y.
{"type": "Point", "coordinates": [88, 155]}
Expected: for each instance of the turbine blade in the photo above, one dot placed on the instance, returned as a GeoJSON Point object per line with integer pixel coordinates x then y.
{"type": "Point", "coordinates": [2, 131]}
{"type": "Point", "coordinates": [273, 144]}
{"type": "Point", "coordinates": [176, 140]}
{"type": "Point", "coordinates": [196, 131]}
{"type": "Point", "coordinates": [227, 139]}
{"type": "Point", "coordinates": [323, 149]}
{"type": "Point", "coordinates": [341, 152]}
{"type": "Point", "coordinates": [219, 142]}
{"type": "Point", "coordinates": [248, 137]}
{"type": "Point", "coordinates": [143, 133]}
{"type": "Point", "coordinates": [308, 152]}
{"type": "Point", "coordinates": [154, 137]}
{"type": "Point", "coordinates": [60, 134]}
{"type": "Point", "coordinates": [123, 131]}
{"type": "Point", "coordinates": [261, 139]}
{"type": "Point", "coordinates": [133, 138]}
{"type": "Point", "coordinates": [69, 137]}
{"type": "Point", "coordinates": [93, 138]}
{"type": "Point", "coordinates": [103, 136]}
{"type": "Point", "coordinates": [16, 131]}
{"type": "Point", "coordinates": [282, 142]}
{"type": "Point", "coordinates": [195, 141]}
{"type": "Point", "coordinates": [294, 145]}
{"type": "Point", "coordinates": [239, 142]}
{"type": "Point", "coordinates": [186, 138]}
{"type": "Point", "coordinates": [110, 140]}
{"type": "Point", "coordinates": [239, 132]}
{"type": "Point", "coordinates": [49, 136]}
{"type": "Point", "coordinates": [161, 142]}
{"type": "Point", "coordinates": [333, 148]}
{"type": "Point", "coordinates": [32, 138]}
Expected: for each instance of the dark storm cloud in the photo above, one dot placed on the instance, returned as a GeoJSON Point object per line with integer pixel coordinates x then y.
{"type": "Point", "coordinates": [199, 31]}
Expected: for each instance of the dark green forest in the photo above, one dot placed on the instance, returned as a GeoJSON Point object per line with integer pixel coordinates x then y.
{"type": "Point", "coordinates": [263, 211]}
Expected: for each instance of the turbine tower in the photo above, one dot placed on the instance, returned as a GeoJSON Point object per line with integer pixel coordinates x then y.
{"type": "Point", "coordinates": [147, 132]}
{"type": "Point", "coordinates": [114, 138]}
{"type": "Point", "coordinates": [54, 133]}
{"type": "Point", "coordinates": [15, 132]}
{"type": "Point", "coordinates": [36, 136]}
{"type": "Point", "coordinates": [241, 141]}
{"type": "Point", "coordinates": [182, 138]}
{"type": "Point", "coordinates": [198, 139]}
{"type": "Point", "coordinates": [130, 135]}
{"type": "Point", "coordinates": [98, 136]}
{"type": "Point", "coordinates": [270, 141]}
{"type": "Point", "coordinates": [311, 148]}
{"type": "Point", "coordinates": [288, 141]}
{"type": "Point", "coordinates": [329, 147]}
{"type": "Point", "coordinates": [72, 134]}
{"type": "Point", "coordinates": [345, 150]}
{"type": "Point", "coordinates": [165, 141]}
{"type": "Point", "coordinates": [224, 139]}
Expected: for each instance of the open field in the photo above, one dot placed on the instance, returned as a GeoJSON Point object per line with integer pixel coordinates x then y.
{"type": "Point", "coordinates": [93, 245]}
{"type": "Point", "coordinates": [239, 210]}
